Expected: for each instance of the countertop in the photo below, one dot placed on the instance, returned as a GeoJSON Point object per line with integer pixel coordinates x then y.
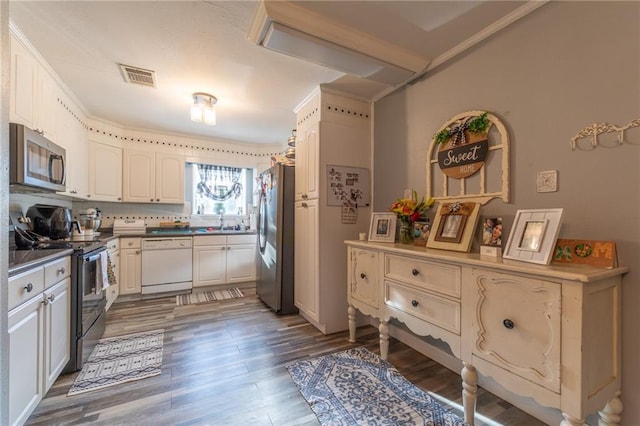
{"type": "Point", "coordinates": [22, 260]}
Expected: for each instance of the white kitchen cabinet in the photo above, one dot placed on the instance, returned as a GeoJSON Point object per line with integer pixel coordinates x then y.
{"type": "Point", "coordinates": [150, 177]}
{"type": "Point", "coordinates": [73, 137]}
{"type": "Point", "coordinates": [307, 163]}
{"type": "Point", "coordinates": [550, 333]}
{"type": "Point", "coordinates": [39, 334]}
{"type": "Point", "coordinates": [57, 317]}
{"type": "Point", "coordinates": [105, 172]}
{"type": "Point", "coordinates": [223, 259]}
{"type": "Point", "coordinates": [334, 131]}
{"type": "Point", "coordinates": [306, 235]}
{"type": "Point", "coordinates": [113, 248]}
{"type": "Point", "coordinates": [130, 266]}
{"type": "Point", "coordinates": [33, 94]}
{"type": "Point", "coordinates": [26, 351]}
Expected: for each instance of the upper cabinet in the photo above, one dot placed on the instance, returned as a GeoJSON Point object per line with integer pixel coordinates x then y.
{"type": "Point", "coordinates": [33, 93]}
{"type": "Point", "coordinates": [73, 138]}
{"type": "Point", "coordinates": [307, 163]}
{"type": "Point", "coordinates": [152, 177]}
{"type": "Point", "coordinates": [105, 172]}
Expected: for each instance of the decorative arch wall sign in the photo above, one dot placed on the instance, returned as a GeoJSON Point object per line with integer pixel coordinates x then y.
{"type": "Point", "coordinates": [460, 149]}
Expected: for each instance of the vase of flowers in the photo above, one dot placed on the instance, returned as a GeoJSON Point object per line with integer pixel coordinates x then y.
{"type": "Point", "coordinates": [408, 211]}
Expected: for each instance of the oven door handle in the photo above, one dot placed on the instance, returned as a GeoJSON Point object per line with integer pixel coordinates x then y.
{"type": "Point", "coordinates": [94, 257]}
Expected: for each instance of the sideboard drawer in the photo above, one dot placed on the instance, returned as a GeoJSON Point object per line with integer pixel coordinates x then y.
{"type": "Point", "coordinates": [439, 277]}
{"type": "Point", "coordinates": [423, 305]}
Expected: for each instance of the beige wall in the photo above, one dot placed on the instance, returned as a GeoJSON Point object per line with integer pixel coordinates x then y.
{"type": "Point", "coordinates": [563, 67]}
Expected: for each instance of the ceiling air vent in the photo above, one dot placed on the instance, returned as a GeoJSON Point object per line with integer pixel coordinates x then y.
{"type": "Point", "coordinates": [135, 75]}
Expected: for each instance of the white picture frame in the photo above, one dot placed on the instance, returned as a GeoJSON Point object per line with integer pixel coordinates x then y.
{"type": "Point", "coordinates": [533, 235]}
{"type": "Point", "coordinates": [383, 227]}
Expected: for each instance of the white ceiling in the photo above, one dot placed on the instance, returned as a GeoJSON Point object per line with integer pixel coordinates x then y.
{"type": "Point", "coordinates": [202, 46]}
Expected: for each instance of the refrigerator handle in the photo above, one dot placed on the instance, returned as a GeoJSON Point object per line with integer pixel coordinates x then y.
{"type": "Point", "coordinates": [262, 238]}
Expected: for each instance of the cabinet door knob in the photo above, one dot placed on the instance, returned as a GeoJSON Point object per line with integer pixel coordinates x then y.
{"type": "Point", "coordinates": [61, 271]}
{"type": "Point", "coordinates": [151, 200]}
{"type": "Point", "coordinates": [158, 199]}
{"type": "Point", "coordinates": [414, 303]}
{"type": "Point", "coordinates": [52, 297]}
{"type": "Point", "coordinates": [363, 275]}
{"type": "Point", "coordinates": [28, 287]}
{"type": "Point", "coordinates": [305, 205]}
{"type": "Point", "coordinates": [414, 272]}
{"type": "Point", "coordinates": [508, 323]}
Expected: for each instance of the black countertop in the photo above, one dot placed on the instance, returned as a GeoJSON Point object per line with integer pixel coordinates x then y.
{"type": "Point", "coordinates": [22, 260]}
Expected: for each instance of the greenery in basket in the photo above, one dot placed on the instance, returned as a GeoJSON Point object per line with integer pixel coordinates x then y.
{"type": "Point", "coordinates": [478, 124]}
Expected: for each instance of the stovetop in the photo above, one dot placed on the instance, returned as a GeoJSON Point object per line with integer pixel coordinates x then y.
{"type": "Point", "coordinates": [84, 244]}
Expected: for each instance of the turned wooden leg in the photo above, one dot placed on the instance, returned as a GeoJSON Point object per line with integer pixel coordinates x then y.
{"type": "Point", "coordinates": [469, 391]}
{"type": "Point", "coordinates": [351, 314]}
{"type": "Point", "coordinates": [383, 328]}
{"type": "Point", "coordinates": [571, 421]}
{"type": "Point", "coordinates": [611, 414]}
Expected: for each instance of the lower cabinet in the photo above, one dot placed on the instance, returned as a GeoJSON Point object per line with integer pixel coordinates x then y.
{"type": "Point", "coordinates": [39, 335]}
{"type": "Point", "coordinates": [130, 266]}
{"type": "Point", "coordinates": [223, 259]}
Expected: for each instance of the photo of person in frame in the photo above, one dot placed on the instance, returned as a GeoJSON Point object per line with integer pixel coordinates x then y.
{"type": "Point", "coordinates": [383, 227]}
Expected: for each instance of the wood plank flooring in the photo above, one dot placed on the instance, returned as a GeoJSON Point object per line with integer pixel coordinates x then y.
{"type": "Point", "coordinates": [223, 364]}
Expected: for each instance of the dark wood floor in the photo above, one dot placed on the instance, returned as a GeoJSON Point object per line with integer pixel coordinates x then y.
{"type": "Point", "coordinates": [223, 364]}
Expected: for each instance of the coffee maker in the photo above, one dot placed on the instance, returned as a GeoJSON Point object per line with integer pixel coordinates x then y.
{"type": "Point", "coordinates": [50, 221]}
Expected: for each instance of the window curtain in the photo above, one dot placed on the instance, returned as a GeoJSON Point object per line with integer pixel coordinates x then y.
{"type": "Point", "coordinates": [219, 183]}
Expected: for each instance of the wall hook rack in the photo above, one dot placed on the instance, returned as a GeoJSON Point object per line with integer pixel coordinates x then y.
{"type": "Point", "coordinates": [599, 128]}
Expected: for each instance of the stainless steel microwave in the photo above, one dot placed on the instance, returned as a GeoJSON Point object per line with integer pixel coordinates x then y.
{"type": "Point", "coordinates": [35, 162]}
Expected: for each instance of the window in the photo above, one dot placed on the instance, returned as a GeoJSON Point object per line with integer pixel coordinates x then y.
{"type": "Point", "coordinates": [221, 190]}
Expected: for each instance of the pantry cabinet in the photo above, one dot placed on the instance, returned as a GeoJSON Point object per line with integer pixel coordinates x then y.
{"type": "Point", "coordinates": [74, 140]}
{"type": "Point", "coordinates": [550, 333]}
{"type": "Point", "coordinates": [39, 334]}
{"type": "Point", "coordinates": [223, 259]}
{"type": "Point", "coordinates": [105, 172]}
{"type": "Point", "coordinates": [152, 177]}
{"type": "Point", "coordinates": [130, 266]}
{"type": "Point", "coordinates": [332, 131]}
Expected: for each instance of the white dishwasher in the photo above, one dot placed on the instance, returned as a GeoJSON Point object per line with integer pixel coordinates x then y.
{"type": "Point", "coordinates": [166, 264]}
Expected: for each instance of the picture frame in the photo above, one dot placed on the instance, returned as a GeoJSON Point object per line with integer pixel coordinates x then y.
{"type": "Point", "coordinates": [382, 227]}
{"type": "Point", "coordinates": [454, 226]}
{"type": "Point", "coordinates": [533, 235]}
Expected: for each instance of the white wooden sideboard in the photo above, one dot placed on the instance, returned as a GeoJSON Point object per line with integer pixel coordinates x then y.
{"type": "Point", "coordinates": [551, 333]}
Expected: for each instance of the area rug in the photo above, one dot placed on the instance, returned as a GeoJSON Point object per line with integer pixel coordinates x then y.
{"type": "Point", "coordinates": [357, 387]}
{"type": "Point", "coordinates": [208, 296]}
{"type": "Point", "coordinates": [120, 359]}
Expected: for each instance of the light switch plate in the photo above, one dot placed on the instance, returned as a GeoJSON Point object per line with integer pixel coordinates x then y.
{"type": "Point", "coordinates": [547, 181]}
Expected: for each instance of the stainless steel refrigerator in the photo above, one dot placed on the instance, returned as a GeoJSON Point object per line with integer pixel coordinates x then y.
{"type": "Point", "coordinates": [274, 283]}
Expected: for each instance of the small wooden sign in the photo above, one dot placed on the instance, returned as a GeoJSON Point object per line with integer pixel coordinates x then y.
{"type": "Point", "coordinates": [590, 252]}
{"type": "Point", "coordinates": [465, 159]}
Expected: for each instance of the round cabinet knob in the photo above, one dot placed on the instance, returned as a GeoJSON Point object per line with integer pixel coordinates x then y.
{"type": "Point", "coordinates": [28, 287]}
{"type": "Point", "coordinates": [508, 323]}
{"type": "Point", "coordinates": [52, 297]}
{"type": "Point", "coordinates": [414, 272]}
{"type": "Point", "coordinates": [61, 271]}
{"type": "Point", "coordinates": [158, 199]}
{"type": "Point", "coordinates": [414, 303]}
{"type": "Point", "coordinates": [363, 275]}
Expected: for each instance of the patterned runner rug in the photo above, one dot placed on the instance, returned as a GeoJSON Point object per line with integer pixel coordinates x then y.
{"type": "Point", "coordinates": [357, 387]}
{"type": "Point", "coordinates": [120, 359]}
{"type": "Point", "coordinates": [208, 296]}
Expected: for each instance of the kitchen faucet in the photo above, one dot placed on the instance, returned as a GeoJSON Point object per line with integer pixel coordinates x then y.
{"type": "Point", "coordinates": [221, 220]}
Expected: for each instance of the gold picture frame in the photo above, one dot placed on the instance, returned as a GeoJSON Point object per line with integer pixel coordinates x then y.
{"type": "Point", "coordinates": [533, 235]}
{"type": "Point", "coordinates": [454, 226]}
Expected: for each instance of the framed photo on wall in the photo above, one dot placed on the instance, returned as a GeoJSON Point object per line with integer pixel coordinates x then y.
{"type": "Point", "coordinates": [383, 227]}
{"type": "Point", "coordinates": [533, 235]}
{"type": "Point", "coordinates": [454, 226]}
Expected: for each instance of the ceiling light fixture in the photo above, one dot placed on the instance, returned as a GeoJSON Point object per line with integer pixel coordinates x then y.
{"type": "Point", "coordinates": [202, 110]}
